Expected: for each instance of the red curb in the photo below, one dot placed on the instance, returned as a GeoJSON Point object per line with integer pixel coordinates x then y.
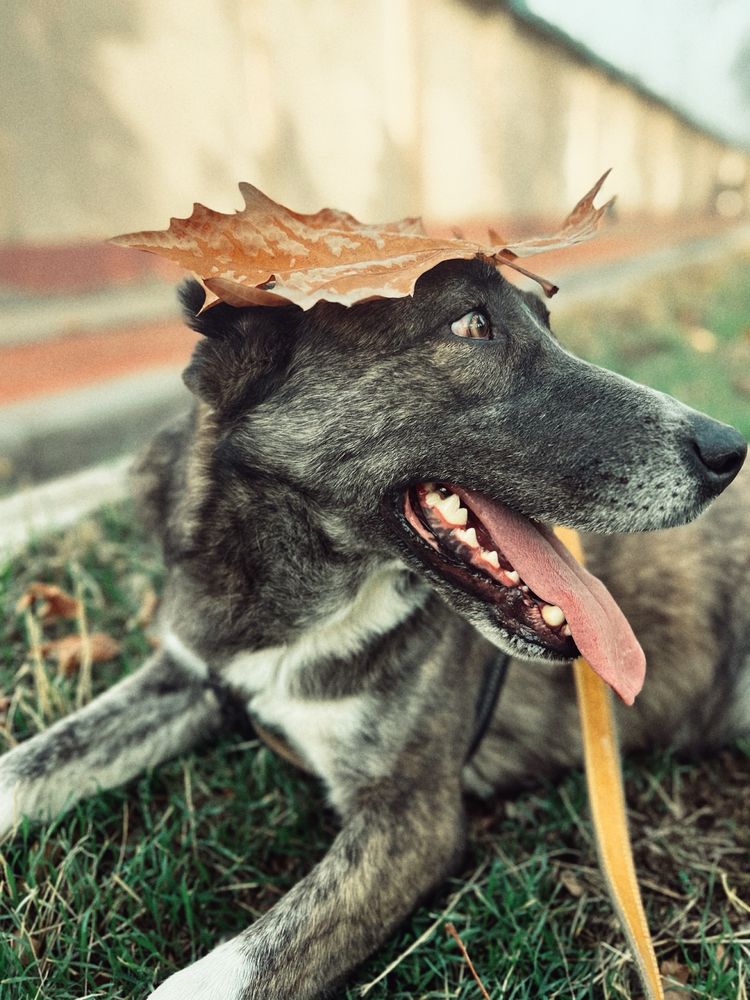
{"type": "Point", "coordinates": [76, 360]}
{"type": "Point", "coordinates": [82, 267]}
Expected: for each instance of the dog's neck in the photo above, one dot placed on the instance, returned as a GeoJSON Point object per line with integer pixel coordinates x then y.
{"type": "Point", "coordinates": [261, 564]}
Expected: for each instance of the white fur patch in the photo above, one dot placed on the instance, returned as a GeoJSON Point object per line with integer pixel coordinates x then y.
{"type": "Point", "coordinates": [252, 672]}
{"type": "Point", "coordinates": [316, 729]}
{"type": "Point", "coordinates": [378, 606]}
{"type": "Point", "coordinates": [224, 974]}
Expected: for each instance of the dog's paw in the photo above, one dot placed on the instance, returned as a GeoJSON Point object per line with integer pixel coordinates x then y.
{"type": "Point", "coordinates": [224, 974]}
{"type": "Point", "coordinates": [10, 813]}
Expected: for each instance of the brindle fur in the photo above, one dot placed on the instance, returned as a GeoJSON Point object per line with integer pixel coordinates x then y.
{"type": "Point", "coordinates": [294, 583]}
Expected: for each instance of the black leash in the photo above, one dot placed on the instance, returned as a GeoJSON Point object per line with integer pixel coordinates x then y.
{"type": "Point", "coordinates": [495, 672]}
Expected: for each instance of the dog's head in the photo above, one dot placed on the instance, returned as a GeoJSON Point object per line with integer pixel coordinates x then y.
{"type": "Point", "coordinates": [452, 426]}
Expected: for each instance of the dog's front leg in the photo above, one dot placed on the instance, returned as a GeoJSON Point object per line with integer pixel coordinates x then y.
{"type": "Point", "coordinates": [399, 844]}
{"type": "Point", "coordinates": [157, 712]}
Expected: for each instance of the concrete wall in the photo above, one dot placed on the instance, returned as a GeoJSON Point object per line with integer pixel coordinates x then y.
{"type": "Point", "coordinates": [115, 116]}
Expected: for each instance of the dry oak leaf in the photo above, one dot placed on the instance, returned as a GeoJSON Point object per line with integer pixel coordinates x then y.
{"type": "Point", "coordinates": [675, 974]}
{"type": "Point", "coordinates": [266, 254]}
{"type": "Point", "coordinates": [48, 601]}
{"type": "Point", "coordinates": [70, 651]}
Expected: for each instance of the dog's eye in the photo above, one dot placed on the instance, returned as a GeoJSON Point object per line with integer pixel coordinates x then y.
{"type": "Point", "coordinates": [473, 325]}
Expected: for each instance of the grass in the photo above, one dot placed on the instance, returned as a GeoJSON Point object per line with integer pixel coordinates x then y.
{"type": "Point", "coordinates": [134, 883]}
{"type": "Point", "coordinates": [687, 334]}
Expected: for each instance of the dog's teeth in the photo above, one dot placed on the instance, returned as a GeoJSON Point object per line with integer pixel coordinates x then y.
{"type": "Point", "coordinates": [450, 504]}
{"type": "Point", "coordinates": [468, 537]}
{"type": "Point", "coordinates": [512, 576]}
{"type": "Point", "coordinates": [452, 511]}
{"type": "Point", "coordinates": [566, 630]}
{"type": "Point", "coordinates": [491, 558]}
{"type": "Point", "coordinates": [553, 615]}
{"type": "Point", "coordinates": [433, 499]}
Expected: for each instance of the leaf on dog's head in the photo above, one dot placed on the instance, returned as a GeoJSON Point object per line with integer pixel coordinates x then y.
{"type": "Point", "coordinates": [579, 226]}
{"type": "Point", "coordinates": [266, 254]}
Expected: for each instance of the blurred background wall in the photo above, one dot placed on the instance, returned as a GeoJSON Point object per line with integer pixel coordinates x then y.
{"type": "Point", "coordinates": [117, 115]}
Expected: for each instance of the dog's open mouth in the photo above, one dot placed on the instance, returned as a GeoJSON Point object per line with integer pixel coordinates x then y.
{"type": "Point", "coordinates": [473, 558]}
{"type": "Point", "coordinates": [542, 599]}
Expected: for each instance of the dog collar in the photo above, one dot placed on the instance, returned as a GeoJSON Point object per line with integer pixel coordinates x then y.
{"type": "Point", "coordinates": [236, 716]}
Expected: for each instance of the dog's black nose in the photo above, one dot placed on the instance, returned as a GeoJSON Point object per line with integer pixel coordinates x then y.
{"type": "Point", "coordinates": [720, 449]}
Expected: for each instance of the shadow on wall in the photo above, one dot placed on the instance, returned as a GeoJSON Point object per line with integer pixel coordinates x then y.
{"type": "Point", "coordinates": [62, 140]}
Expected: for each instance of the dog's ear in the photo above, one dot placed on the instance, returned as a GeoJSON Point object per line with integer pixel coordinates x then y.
{"type": "Point", "coordinates": [244, 352]}
{"type": "Point", "coordinates": [537, 306]}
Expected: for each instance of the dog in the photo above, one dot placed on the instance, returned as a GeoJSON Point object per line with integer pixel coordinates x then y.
{"type": "Point", "coordinates": [353, 519]}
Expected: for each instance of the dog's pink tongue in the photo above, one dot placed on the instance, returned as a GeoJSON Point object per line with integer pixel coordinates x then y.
{"type": "Point", "coordinates": [599, 628]}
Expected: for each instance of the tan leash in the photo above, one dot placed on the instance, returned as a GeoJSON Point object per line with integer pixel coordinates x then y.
{"type": "Point", "coordinates": [607, 802]}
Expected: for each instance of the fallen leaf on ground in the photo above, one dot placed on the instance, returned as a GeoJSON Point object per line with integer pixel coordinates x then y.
{"type": "Point", "coordinates": [675, 972]}
{"type": "Point", "coordinates": [49, 602]}
{"type": "Point", "coordinates": [266, 254]}
{"type": "Point", "coordinates": [70, 651]}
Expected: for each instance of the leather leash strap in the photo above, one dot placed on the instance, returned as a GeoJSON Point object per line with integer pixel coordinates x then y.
{"type": "Point", "coordinates": [607, 802]}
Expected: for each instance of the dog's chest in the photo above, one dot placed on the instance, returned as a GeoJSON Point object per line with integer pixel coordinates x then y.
{"type": "Point", "coordinates": [321, 727]}
{"type": "Point", "coordinates": [316, 728]}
